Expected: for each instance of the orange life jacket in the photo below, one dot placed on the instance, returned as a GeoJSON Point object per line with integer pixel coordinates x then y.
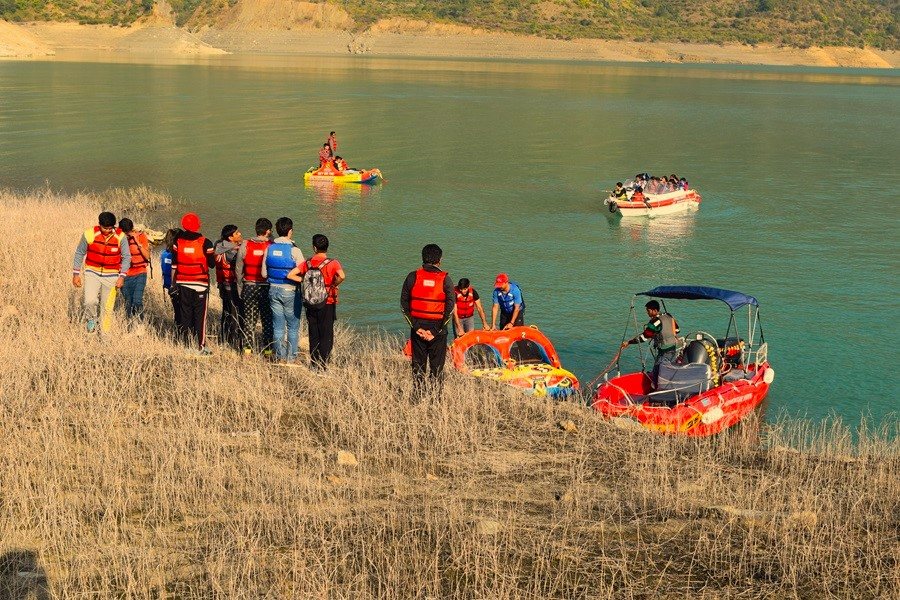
{"type": "Point", "coordinates": [427, 297]}
{"type": "Point", "coordinates": [465, 303]}
{"type": "Point", "coordinates": [253, 261]}
{"type": "Point", "coordinates": [103, 253]}
{"type": "Point", "coordinates": [191, 262]}
{"type": "Point", "coordinates": [224, 270]}
{"type": "Point", "coordinates": [138, 262]}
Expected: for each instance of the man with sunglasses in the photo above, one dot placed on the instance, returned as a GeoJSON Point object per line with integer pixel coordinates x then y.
{"type": "Point", "coordinates": [103, 257]}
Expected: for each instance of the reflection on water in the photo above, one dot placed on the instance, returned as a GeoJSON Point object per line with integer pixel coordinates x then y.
{"type": "Point", "coordinates": [328, 195]}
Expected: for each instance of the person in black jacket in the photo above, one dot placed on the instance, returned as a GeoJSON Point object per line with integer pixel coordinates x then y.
{"type": "Point", "coordinates": [427, 301]}
{"type": "Point", "coordinates": [194, 256]}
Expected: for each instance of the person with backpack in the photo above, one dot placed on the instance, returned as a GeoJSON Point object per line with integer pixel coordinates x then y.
{"type": "Point", "coordinates": [255, 289]}
{"type": "Point", "coordinates": [282, 257]}
{"type": "Point", "coordinates": [320, 277]}
{"type": "Point", "coordinates": [427, 301]}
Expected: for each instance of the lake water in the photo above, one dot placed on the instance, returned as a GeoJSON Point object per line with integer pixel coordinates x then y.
{"type": "Point", "coordinates": [503, 164]}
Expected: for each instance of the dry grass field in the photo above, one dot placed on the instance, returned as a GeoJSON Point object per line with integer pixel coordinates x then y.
{"type": "Point", "coordinates": [129, 470]}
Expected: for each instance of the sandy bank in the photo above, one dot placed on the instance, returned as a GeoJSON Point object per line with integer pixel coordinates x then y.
{"type": "Point", "coordinates": [243, 33]}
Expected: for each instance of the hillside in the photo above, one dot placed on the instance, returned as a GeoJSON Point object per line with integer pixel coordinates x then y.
{"type": "Point", "coordinates": [799, 23]}
{"type": "Point", "coordinates": [132, 470]}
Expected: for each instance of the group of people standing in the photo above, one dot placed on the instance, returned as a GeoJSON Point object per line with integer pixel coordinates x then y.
{"type": "Point", "coordinates": [261, 280]}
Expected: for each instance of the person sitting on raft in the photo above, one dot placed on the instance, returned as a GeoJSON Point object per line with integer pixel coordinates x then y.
{"type": "Point", "coordinates": [342, 166]}
{"type": "Point", "coordinates": [325, 155]}
{"type": "Point", "coordinates": [620, 194]}
{"type": "Point", "coordinates": [662, 329]}
{"type": "Point", "coordinates": [638, 196]}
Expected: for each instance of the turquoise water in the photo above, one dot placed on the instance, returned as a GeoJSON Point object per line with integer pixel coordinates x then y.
{"type": "Point", "coordinates": [503, 165]}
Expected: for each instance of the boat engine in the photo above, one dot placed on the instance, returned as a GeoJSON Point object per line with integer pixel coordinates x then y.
{"type": "Point", "coordinates": [702, 352]}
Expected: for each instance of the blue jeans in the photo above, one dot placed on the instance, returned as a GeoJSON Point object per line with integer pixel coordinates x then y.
{"type": "Point", "coordinates": [133, 293]}
{"type": "Point", "coordinates": [286, 307]}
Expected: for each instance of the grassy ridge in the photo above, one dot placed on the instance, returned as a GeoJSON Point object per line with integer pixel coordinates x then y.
{"type": "Point", "coordinates": [131, 470]}
{"type": "Point", "coordinates": [800, 23]}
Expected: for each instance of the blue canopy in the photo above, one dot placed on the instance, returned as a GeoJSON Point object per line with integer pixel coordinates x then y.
{"type": "Point", "coordinates": [734, 300]}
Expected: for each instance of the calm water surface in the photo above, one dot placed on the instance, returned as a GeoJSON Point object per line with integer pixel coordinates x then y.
{"type": "Point", "coordinates": [503, 165]}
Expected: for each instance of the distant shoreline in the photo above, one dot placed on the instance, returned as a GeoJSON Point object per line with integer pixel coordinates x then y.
{"type": "Point", "coordinates": [51, 41]}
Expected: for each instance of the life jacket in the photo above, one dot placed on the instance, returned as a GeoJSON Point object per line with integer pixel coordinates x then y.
{"type": "Point", "coordinates": [427, 297]}
{"type": "Point", "coordinates": [620, 194]}
{"type": "Point", "coordinates": [507, 304]}
{"type": "Point", "coordinates": [224, 270]}
{"type": "Point", "coordinates": [279, 262]}
{"type": "Point", "coordinates": [190, 261]}
{"type": "Point", "coordinates": [637, 197]}
{"type": "Point", "coordinates": [667, 338]}
{"type": "Point", "coordinates": [256, 254]}
{"type": "Point", "coordinates": [103, 254]}
{"type": "Point", "coordinates": [465, 303]}
{"type": "Point", "coordinates": [138, 262]}
{"type": "Point", "coordinates": [341, 165]}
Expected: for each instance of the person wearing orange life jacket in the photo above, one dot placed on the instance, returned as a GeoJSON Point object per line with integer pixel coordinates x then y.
{"type": "Point", "coordinates": [254, 289]}
{"type": "Point", "coordinates": [136, 276]}
{"type": "Point", "coordinates": [325, 155]}
{"type": "Point", "coordinates": [226, 251]}
{"type": "Point", "coordinates": [103, 256]}
{"type": "Point", "coordinates": [194, 257]}
{"type": "Point", "coordinates": [467, 302]}
{"type": "Point", "coordinates": [638, 196]}
{"type": "Point", "coordinates": [332, 143]}
{"type": "Point", "coordinates": [427, 300]}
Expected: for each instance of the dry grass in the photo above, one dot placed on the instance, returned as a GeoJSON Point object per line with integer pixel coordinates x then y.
{"type": "Point", "coordinates": [129, 470]}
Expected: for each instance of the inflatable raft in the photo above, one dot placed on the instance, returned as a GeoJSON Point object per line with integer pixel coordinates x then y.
{"type": "Point", "coordinates": [330, 174]}
{"type": "Point", "coordinates": [713, 383]}
{"type": "Point", "coordinates": [522, 357]}
{"type": "Point", "coordinates": [656, 204]}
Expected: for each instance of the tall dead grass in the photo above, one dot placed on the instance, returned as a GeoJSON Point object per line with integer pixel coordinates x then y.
{"type": "Point", "coordinates": [129, 470]}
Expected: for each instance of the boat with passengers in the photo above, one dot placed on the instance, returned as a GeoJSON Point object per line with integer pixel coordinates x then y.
{"type": "Point", "coordinates": [328, 173]}
{"type": "Point", "coordinates": [713, 382]}
{"type": "Point", "coordinates": [653, 204]}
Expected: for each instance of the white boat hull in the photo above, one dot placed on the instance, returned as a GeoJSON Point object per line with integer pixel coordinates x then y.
{"type": "Point", "coordinates": [657, 205]}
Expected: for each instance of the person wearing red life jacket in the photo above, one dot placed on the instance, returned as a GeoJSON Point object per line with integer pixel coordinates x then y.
{"type": "Point", "coordinates": [226, 251]}
{"type": "Point", "coordinates": [467, 302]}
{"type": "Point", "coordinates": [136, 276]}
{"type": "Point", "coordinates": [325, 155]}
{"type": "Point", "coordinates": [320, 316]}
{"type": "Point", "coordinates": [638, 196]}
{"type": "Point", "coordinates": [104, 258]}
{"type": "Point", "coordinates": [194, 256]}
{"type": "Point", "coordinates": [254, 288]}
{"type": "Point", "coordinates": [427, 300]}
{"type": "Point", "coordinates": [332, 143]}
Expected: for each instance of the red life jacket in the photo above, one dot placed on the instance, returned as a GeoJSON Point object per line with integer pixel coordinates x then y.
{"type": "Point", "coordinates": [224, 270]}
{"type": "Point", "coordinates": [103, 254]}
{"type": "Point", "coordinates": [253, 260]}
{"type": "Point", "coordinates": [427, 297]}
{"type": "Point", "coordinates": [138, 262]}
{"type": "Point", "coordinates": [192, 266]}
{"type": "Point", "coordinates": [465, 303]}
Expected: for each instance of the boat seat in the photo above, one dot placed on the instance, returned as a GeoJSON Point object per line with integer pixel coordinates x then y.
{"type": "Point", "coordinates": [737, 375]}
{"type": "Point", "coordinates": [676, 383]}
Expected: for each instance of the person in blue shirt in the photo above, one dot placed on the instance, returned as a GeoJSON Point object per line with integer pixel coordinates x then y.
{"type": "Point", "coordinates": [165, 264]}
{"type": "Point", "coordinates": [508, 301]}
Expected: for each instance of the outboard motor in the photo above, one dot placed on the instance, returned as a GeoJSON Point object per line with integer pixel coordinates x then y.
{"type": "Point", "coordinates": [695, 353]}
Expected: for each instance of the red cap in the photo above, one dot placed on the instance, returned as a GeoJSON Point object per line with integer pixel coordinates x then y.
{"type": "Point", "coordinates": [501, 279]}
{"type": "Point", "coordinates": [190, 222]}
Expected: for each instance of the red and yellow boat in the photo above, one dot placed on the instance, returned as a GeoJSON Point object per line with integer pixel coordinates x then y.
{"type": "Point", "coordinates": [713, 384]}
{"type": "Point", "coordinates": [330, 174]}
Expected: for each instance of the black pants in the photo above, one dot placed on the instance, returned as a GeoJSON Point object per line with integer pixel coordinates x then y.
{"type": "Point", "coordinates": [176, 307]}
{"type": "Point", "coordinates": [506, 317]}
{"type": "Point", "coordinates": [230, 327]}
{"type": "Point", "coordinates": [193, 314]}
{"type": "Point", "coordinates": [257, 307]}
{"type": "Point", "coordinates": [428, 358]}
{"type": "Point", "coordinates": [320, 323]}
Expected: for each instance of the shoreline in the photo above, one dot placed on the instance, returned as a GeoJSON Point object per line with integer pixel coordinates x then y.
{"type": "Point", "coordinates": [103, 43]}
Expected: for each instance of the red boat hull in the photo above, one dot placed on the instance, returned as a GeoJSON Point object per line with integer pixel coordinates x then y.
{"type": "Point", "coordinates": [705, 414]}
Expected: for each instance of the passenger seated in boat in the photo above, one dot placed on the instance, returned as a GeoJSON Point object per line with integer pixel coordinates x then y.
{"type": "Point", "coordinates": [620, 194]}
{"type": "Point", "coordinates": [682, 184]}
{"type": "Point", "coordinates": [638, 196]}
{"type": "Point", "coordinates": [341, 164]}
{"type": "Point", "coordinates": [325, 155]}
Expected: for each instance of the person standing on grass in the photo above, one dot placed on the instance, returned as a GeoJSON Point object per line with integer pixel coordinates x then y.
{"type": "Point", "coordinates": [194, 257]}
{"type": "Point", "coordinates": [467, 302]}
{"type": "Point", "coordinates": [509, 302]}
{"type": "Point", "coordinates": [166, 258]}
{"type": "Point", "coordinates": [282, 257]}
{"type": "Point", "coordinates": [103, 256]}
{"type": "Point", "coordinates": [226, 251]}
{"type": "Point", "coordinates": [320, 277]}
{"type": "Point", "coordinates": [136, 277]}
{"type": "Point", "coordinates": [255, 289]}
{"type": "Point", "coordinates": [427, 300]}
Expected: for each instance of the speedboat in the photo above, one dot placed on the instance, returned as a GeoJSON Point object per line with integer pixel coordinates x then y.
{"type": "Point", "coordinates": [330, 174]}
{"type": "Point", "coordinates": [655, 204]}
{"type": "Point", "coordinates": [714, 382]}
{"type": "Point", "coordinates": [522, 357]}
